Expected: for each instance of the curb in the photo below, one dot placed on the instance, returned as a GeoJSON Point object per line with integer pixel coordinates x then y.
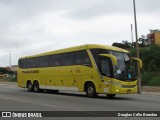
{"type": "Point", "coordinates": [150, 93]}
{"type": "Point", "coordinates": [151, 90]}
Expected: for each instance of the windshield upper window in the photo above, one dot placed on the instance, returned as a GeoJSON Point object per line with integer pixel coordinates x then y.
{"type": "Point", "coordinates": [124, 69]}
{"type": "Point", "coordinates": [120, 60]}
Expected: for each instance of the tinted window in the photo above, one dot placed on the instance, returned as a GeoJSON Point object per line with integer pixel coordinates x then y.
{"type": "Point", "coordinates": [95, 53]}
{"type": "Point", "coordinates": [33, 62]}
{"type": "Point", "coordinates": [67, 59]}
{"type": "Point", "coordinates": [54, 60]}
{"type": "Point", "coordinates": [81, 58]}
{"type": "Point", "coordinates": [28, 63]}
{"type": "Point", "coordinates": [103, 63]}
{"type": "Point", "coordinates": [105, 67]}
{"type": "Point", "coordinates": [21, 63]}
{"type": "Point", "coordinates": [64, 59]}
{"type": "Point", "coordinates": [43, 61]}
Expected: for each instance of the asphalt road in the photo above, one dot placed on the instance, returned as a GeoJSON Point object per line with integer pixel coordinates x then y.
{"type": "Point", "coordinates": [13, 98]}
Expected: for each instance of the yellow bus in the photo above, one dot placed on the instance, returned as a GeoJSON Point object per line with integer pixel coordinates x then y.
{"type": "Point", "coordinates": [94, 69]}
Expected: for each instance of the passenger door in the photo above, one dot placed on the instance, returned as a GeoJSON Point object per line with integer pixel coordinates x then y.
{"type": "Point", "coordinates": [106, 71]}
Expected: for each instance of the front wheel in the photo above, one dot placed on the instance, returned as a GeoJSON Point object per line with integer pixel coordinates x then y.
{"type": "Point", "coordinates": [111, 95]}
{"type": "Point", "coordinates": [90, 90]}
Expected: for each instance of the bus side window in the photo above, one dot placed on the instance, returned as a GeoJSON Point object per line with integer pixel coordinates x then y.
{"type": "Point", "coordinates": [67, 59]}
{"type": "Point", "coordinates": [54, 60]}
{"type": "Point", "coordinates": [34, 62]}
{"type": "Point", "coordinates": [43, 61]}
{"type": "Point", "coordinates": [105, 68]}
{"type": "Point", "coordinates": [86, 61]}
{"type": "Point", "coordinates": [20, 63]}
{"type": "Point", "coordinates": [81, 58]}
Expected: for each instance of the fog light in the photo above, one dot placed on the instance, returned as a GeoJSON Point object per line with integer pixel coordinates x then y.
{"type": "Point", "coordinates": [120, 85]}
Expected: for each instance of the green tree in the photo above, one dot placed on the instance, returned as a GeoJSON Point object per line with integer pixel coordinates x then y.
{"type": "Point", "coordinates": [125, 44]}
{"type": "Point", "coordinates": [142, 41]}
{"type": "Point", "coordinates": [150, 57]}
{"type": "Point", "coordinates": [3, 70]}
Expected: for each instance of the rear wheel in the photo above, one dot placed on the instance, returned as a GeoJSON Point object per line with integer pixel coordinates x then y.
{"type": "Point", "coordinates": [29, 87]}
{"type": "Point", "coordinates": [90, 90]}
{"type": "Point", "coordinates": [36, 87]}
{"type": "Point", "coordinates": [111, 95]}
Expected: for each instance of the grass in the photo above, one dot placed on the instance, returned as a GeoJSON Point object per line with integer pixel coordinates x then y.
{"type": "Point", "coordinates": [150, 78]}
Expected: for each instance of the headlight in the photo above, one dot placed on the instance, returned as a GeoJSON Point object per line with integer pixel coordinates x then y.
{"type": "Point", "coordinates": [116, 83]}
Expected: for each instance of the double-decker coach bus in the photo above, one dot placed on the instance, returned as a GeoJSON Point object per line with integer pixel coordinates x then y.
{"type": "Point", "coordinates": [94, 69]}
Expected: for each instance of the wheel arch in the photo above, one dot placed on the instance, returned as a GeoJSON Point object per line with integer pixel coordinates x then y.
{"type": "Point", "coordinates": [88, 82]}
{"type": "Point", "coordinates": [35, 81]}
{"type": "Point", "coordinates": [28, 81]}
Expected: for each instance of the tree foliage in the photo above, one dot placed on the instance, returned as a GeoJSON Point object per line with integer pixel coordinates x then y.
{"type": "Point", "coordinates": [150, 57]}
{"type": "Point", "coordinates": [151, 64]}
{"type": "Point", "coordinates": [142, 40]}
{"type": "Point", "coordinates": [125, 44]}
{"type": "Point", "coordinates": [3, 70]}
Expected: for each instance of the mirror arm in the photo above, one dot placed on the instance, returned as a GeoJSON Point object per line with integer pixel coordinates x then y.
{"type": "Point", "coordinates": [139, 61]}
{"type": "Point", "coordinates": [113, 58]}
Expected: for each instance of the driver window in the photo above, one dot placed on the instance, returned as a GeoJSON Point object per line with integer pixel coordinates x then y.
{"type": "Point", "coordinates": [105, 69]}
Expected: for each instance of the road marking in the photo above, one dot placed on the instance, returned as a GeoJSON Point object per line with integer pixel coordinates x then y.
{"type": "Point", "coordinates": [48, 105]}
{"type": "Point", "coordinates": [13, 87]}
{"type": "Point", "coordinates": [18, 100]}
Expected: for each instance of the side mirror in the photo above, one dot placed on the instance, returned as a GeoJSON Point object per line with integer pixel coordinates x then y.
{"type": "Point", "coordinates": [138, 60]}
{"type": "Point", "coordinates": [112, 57]}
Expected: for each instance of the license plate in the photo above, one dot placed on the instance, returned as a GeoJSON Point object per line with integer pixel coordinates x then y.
{"type": "Point", "coordinates": [128, 91]}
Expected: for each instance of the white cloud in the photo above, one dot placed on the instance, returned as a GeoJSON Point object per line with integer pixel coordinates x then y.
{"type": "Point", "coordinates": [29, 27]}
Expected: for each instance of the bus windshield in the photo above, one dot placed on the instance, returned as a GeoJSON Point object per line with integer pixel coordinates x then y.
{"type": "Point", "coordinates": [124, 70]}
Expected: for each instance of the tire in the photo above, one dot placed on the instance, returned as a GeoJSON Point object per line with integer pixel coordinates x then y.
{"type": "Point", "coordinates": [36, 87]}
{"type": "Point", "coordinates": [111, 95]}
{"type": "Point", "coordinates": [29, 87]}
{"type": "Point", "coordinates": [90, 90]}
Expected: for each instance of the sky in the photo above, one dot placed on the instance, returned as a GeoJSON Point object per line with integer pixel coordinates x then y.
{"type": "Point", "coordinates": [29, 27]}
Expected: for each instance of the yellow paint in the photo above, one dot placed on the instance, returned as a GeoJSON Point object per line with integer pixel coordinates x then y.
{"type": "Point", "coordinates": [113, 58]}
{"type": "Point", "coordinates": [139, 61]}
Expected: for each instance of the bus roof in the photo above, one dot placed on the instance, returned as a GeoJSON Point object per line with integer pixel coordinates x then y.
{"type": "Point", "coordinates": [91, 46]}
{"type": "Point", "coordinates": [81, 47]}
